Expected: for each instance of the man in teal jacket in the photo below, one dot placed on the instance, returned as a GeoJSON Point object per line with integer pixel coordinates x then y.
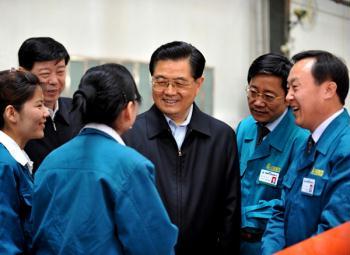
{"type": "Point", "coordinates": [316, 190]}
{"type": "Point", "coordinates": [267, 142]}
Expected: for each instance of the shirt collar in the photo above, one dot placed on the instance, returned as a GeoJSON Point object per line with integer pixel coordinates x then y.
{"type": "Point", "coordinates": [272, 125]}
{"type": "Point", "coordinates": [183, 124]}
{"type": "Point", "coordinates": [106, 129]}
{"type": "Point", "coordinates": [54, 111]}
{"type": "Point", "coordinates": [322, 127]}
{"type": "Point", "coordinates": [15, 151]}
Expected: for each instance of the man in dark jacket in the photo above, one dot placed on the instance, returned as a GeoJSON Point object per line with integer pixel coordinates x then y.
{"type": "Point", "coordinates": [195, 155]}
{"type": "Point", "coordinates": [48, 59]}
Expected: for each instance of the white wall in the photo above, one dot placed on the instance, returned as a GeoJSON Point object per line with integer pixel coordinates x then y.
{"type": "Point", "coordinates": [228, 32]}
{"type": "Point", "coordinates": [326, 27]}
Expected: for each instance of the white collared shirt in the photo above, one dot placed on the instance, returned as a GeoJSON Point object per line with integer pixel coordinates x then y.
{"type": "Point", "coordinates": [322, 127]}
{"type": "Point", "coordinates": [179, 131]}
{"type": "Point", "coordinates": [15, 151]}
{"type": "Point", "coordinates": [52, 113]}
{"type": "Point", "coordinates": [272, 125]}
{"type": "Point", "coordinates": [106, 129]}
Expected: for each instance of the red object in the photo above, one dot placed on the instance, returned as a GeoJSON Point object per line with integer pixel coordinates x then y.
{"type": "Point", "coordinates": [335, 241]}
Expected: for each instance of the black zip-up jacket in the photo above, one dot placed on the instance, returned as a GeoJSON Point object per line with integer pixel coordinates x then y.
{"type": "Point", "coordinates": [199, 184]}
{"type": "Point", "coordinates": [65, 126]}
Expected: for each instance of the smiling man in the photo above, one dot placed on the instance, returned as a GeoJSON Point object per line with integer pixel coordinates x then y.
{"type": "Point", "coordinates": [267, 144]}
{"type": "Point", "coordinates": [316, 190]}
{"type": "Point", "coordinates": [48, 59]}
{"type": "Point", "coordinates": [195, 155]}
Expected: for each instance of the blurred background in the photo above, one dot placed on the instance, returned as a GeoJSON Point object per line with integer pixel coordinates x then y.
{"type": "Point", "coordinates": [230, 34]}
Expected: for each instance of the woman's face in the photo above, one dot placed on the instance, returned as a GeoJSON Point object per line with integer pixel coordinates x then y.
{"type": "Point", "coordinates": [32, 116]}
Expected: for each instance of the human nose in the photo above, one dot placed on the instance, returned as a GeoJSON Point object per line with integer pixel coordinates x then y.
{"type": "Point", "coordinates": [259, 100]}
{"type": "Point", "coordinates": [170, 89]}
{"type": "Point", "coordinates": [45, 112]}
{"type": "Point", "coordinates": [53, 80]}
{"type": "Point", "coordinates": [289, 96]}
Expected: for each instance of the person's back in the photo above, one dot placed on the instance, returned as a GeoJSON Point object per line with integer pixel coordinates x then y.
{"type": "Point", "coordinates": [94, 195]}
{"type": "Point", "coordinates": [48, 59]}
{"type": "Point", "coordinates": [82, 217]}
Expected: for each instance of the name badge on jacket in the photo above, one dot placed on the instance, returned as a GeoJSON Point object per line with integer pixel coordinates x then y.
{"type": "Point", "coordinates": [308, 186]}
{"type": "Point", "coordinates": [268, 177]}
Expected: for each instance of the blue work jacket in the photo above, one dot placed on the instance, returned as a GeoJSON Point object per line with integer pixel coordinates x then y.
{"type": "Point", "coordinates": [16, 186]}
{"type": "Point", "coordinates": [95, 196]}
{"type": "Point", "coordinates": [271, 158]}
{"type": "Point", "coordinates": [316, 190]}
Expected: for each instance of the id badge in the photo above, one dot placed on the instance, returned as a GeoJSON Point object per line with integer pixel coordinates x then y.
{"type": "Point", "coordinates": [268, 177]}
{"type": "Point", "coordinates": [308, 186]}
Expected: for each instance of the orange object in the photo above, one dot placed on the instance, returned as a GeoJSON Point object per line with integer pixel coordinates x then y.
{"type": "Point", "coordinates": [335, 241]}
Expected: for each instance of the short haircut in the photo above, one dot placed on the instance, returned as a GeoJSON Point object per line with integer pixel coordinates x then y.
{"type": "Point", "coordinates": [104, 91]}
{"type": "Point", "coordinates": [179, 50]}
{"type": "Point", "coordinates": [38, 49]}
{"type": "Point", "coordinates": [271, 64]}
{"type": "Point", "coordinates": [327, 67]}
{"type": "Point", "coordinates": [16, 88]}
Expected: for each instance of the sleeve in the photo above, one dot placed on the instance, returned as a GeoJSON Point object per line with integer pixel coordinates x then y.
{"type": "Point", "coordinates": [337, 206]}
{"type": "Point", "coordinates": [273, 239]}
{"type": "Point", "coordinates": [143, 224]}
{"type": "Point", "coordinates": [11, 233]}
{"type": "Point", "coordinates": [230, 234]}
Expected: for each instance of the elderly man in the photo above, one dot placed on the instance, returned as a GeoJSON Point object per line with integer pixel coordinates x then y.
{"type": "Point", "coordinates": [197, 169]}
{"type": "Point", "coordinates": [48, 59]}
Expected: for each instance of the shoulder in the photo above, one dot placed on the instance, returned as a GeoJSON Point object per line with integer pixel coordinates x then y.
{"type": "Point", "coordinates": [247, 122]}
{"type": "Point", "coordinates": [6, 158]}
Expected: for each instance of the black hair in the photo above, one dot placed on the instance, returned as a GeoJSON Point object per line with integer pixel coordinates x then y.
{"type": "Point", "coordinates": [104, 91]}
{"type": "Point", "coordinates": [179, 50]}
{"type": "Point", "coordinates": [38, 49]}
{"type": "Point", "coordinates": [327, 67]}
{"type": "Point", "coordinates": [271, 64]}
{"type": "Point", "coordinates": [16, 88]}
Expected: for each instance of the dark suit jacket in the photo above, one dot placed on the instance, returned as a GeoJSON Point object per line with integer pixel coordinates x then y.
{"type": "Point", "coordinates": [64, 127]}
{"type": "Point", "coordinates": [199, 184]}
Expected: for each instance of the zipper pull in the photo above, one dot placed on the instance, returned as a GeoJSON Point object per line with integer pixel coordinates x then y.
{"type": "Point", "coordinates": [179, 153]}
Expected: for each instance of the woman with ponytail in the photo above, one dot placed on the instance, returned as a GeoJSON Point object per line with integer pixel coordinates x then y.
{"type": "Point", "coordinates": [94, 195]}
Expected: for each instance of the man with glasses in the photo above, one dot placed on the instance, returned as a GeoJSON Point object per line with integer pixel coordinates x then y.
{"type": "Point", "coordinates": [195, 155]}
{"type": "Point", "coordinates": [48, 60]}
{"type": "Point", "coordinates": [267, 142]}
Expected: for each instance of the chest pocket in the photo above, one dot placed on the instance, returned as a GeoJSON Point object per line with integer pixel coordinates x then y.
{"type": "Point", "coordinates": [320, 183]}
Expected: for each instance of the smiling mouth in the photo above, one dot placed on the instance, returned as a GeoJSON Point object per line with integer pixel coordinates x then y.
{"type": "Point", "coordinates": [170, 101]}
{"type": "Point", "coordinates": [295, 108]}
{"type": "Point", "coordinates": [259, 112]}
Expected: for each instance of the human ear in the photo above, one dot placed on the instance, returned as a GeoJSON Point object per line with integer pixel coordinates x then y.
{"type": "Point", "coordinates": [126, 118]}
{"type": "Point", "coordinates": [199, 82]}
{"type": "Point", "coordinates": [10, 114]}
{"type": "Point", "coordinates": [330, 89]}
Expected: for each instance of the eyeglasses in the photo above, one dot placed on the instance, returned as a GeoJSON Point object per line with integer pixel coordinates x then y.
{"type": "Point", "coordinates": [252, 93]}
{"type": "Point", "coordinates": [160, 84]}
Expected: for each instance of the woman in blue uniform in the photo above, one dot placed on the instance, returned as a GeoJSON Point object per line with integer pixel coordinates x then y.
{"type": "Point", "coordinates": [94, 195]}
{"type": "Point", "coordinates": [22, 118]}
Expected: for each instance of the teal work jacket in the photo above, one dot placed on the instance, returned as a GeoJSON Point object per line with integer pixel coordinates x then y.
{"type": "Point", "coordinates": [95, 196]}
{"type": "Point", "coordinates": [264, 166]}
{"type": "Point", "coordinates": [316, 191]}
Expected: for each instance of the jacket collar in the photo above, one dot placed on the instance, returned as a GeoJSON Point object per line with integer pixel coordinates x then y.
{"type": "Point", "coordinates": [339, 124]}
{"type": "Point", "coordinates": [278, 137]}
{"type": "Point", "coordinates": [63, 111]}
{"type": "Point", "coordinates": [157, 124]}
